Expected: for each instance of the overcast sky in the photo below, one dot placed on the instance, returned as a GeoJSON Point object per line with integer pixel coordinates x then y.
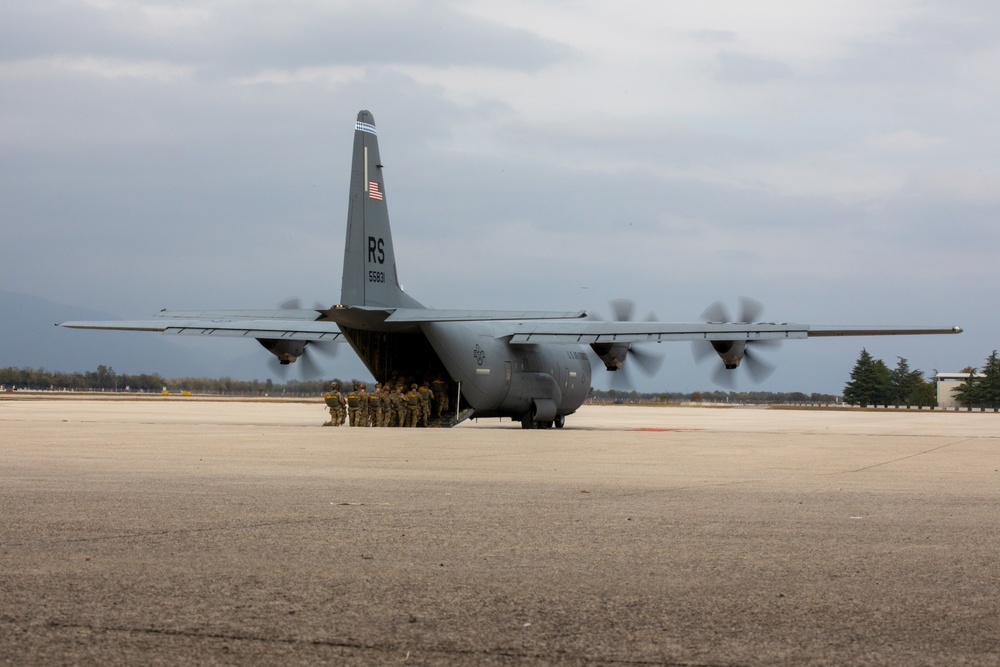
{"type": "Point", "coordinates": [839, 162]}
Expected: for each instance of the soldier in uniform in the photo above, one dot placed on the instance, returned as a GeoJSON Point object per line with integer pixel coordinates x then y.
{"type": "Point", "coordinates": [375, 406]}
{"type": "Point", "coordinates": [363, 397]}
{"type": "Point", "coordinates": [425, 403]}
{"type": "Point", "coordinates": [387, 411]}
{"type": "Point", "coordinates": [354, 407]}
{"type": "Point", "coordinates": [440, 389]}
{"type": "Point", "coordinates": [399, 404]}
{"type": "Point", "coordinates": [336, 402]}
{"type": "Point", "coordinates": [412, 406]}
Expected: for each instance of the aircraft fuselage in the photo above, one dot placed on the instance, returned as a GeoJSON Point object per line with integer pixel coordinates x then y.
{"type": "Point", "coordinates": [538, 382]}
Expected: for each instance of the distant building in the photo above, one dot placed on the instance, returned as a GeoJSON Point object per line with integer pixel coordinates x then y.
{"type": "Point", "coordinates": [946, 384]}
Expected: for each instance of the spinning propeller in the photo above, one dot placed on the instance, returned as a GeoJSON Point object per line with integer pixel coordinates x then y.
{"type": "Point", "coordinates": [732, 352]}
{"type": "Point", "coordinates": [287, 352]}
{"type": "Point", "coordinates": [613, 355]}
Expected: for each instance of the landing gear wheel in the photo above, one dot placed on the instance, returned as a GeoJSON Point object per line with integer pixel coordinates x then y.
{"type": "Point", "coordinates": [560, 421]}
{"type": "Point", "coordinates": [528, 419]}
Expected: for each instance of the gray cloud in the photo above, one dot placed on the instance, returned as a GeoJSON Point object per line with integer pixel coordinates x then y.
{"type": "Point", "coordinates": [240, 39]}
{"type": "Point", "coordinates": [742, 68]}
{"type": "Point", "coordinates": [930, 46]}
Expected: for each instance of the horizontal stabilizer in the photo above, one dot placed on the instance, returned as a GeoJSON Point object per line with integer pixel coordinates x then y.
{"type": "Point", "coordinates": [414, 315]}
{"type": "Point", "coordinates": [227, 315]}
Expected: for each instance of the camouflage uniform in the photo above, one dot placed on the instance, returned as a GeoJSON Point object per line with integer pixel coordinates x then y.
{"type": "Point", "coordinates": [425, 404]}
{"type": "Point", "coordinates": [399, 405]}
{"type": "Point", "coordinates": [412, 406]}
{"type": "Point", "coordinates": [440, 389]}
{"type": "Point", "coordinates": [363, 396]}
{"type": "Point", "coordinates": [336, 402]}
{"type": "Point", "coordinates": [375, 407]}
{"type": "Point", "coordinates": [387, 412]}
{"type": "Point", "coordinates": [354, 407]}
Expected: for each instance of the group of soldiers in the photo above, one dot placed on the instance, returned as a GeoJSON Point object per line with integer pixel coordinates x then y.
{"type": "Point", "coordinates": [388, 405]}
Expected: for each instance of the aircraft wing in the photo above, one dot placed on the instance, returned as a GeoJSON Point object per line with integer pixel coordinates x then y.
{"type": "Point", "coordinates": [292, 324]}
{"type": "Point", "coordinates": [522, 327]}
{"type": "Point", "coordinates": [303, 323]}
{"type": "Point", "coordinates": [587, 332]}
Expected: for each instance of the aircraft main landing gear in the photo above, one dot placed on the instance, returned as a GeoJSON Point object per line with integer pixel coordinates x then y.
{"type": "Point", "coordinates": [528, 422]}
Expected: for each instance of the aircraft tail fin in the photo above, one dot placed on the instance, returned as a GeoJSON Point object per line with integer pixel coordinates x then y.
{"type": "Point", "coordinates": [369, 261]}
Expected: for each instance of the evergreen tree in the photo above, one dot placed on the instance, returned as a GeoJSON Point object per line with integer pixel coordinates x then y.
{"type": "Point", "coordinates": [904, 382]}
{"type": "Point", "coordinates": [924, 395]}
{"type": "Point", "coordinates": [871, 382]}
{"type": "Point", "coordinates": [989, 384]}
{"type": "Point", "coordinates": [883, 383]}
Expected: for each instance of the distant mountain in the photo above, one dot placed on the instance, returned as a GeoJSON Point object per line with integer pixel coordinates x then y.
{"type": "Point", "coordinates": [30, 339]}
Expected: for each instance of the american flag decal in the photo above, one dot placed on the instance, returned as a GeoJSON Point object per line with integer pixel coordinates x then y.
{"type": "Point", "coordinates": [373, 192]}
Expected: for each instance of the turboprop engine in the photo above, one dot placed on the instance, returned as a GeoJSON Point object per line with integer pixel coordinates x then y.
{"type": "Point", "coordinates": [287, 351]}
{"type": "Point", "coordinates": [732, 352]}
{"type": "Point", "coordinates": [612, 354]}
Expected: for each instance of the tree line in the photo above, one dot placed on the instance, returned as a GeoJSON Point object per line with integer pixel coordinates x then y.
{"type": "Point", "coordinates": [106, 379]}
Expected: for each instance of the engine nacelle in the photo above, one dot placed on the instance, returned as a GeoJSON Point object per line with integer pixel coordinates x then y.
{"type": "Point", "coordinates": [287, 351]}
{"type": "Point", "coordinates": [612, 354]}
{"type": "Point", "coordinates": [730, 351]}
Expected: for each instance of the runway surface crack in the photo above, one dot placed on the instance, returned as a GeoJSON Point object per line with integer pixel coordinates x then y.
{"type": "Point", "coordinates": [903, 458]}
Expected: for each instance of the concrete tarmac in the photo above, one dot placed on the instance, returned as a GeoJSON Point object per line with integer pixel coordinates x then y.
{"type": "Point", "coordinates": [180, 530]}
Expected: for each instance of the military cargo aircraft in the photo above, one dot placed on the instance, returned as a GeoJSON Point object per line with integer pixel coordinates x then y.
{"type": "Point", "coordinates": [530, 366]}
